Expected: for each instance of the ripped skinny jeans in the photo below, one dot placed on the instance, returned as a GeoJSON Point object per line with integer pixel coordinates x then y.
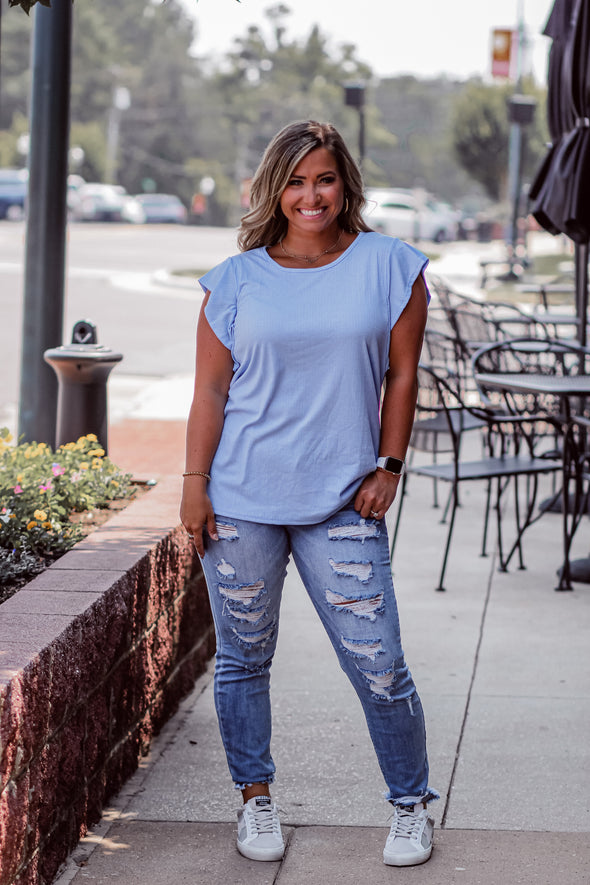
{"type": "Point", "coordinates": [344, 565]}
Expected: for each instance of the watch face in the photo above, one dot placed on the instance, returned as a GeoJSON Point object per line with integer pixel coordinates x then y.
{"type": "Point", "coordinates": [392, 465]}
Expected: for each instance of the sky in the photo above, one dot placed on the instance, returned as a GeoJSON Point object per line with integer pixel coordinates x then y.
{"type": "Point", "coordinates": [425, 38]}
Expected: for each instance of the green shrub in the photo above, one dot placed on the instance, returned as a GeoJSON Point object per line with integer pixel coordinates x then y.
{"type": "Point", "coordinates": [39, 491]}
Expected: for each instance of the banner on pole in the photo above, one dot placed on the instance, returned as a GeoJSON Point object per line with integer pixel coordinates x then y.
{"type": "Point", "coordinates": [502, 42]}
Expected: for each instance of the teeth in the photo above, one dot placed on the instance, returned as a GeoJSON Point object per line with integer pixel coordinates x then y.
{"type": "Point", "coordinates": [311, 212]}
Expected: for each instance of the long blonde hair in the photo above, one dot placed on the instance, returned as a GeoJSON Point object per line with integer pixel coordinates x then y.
{"type": "Point", "coordinates": [265, 224]}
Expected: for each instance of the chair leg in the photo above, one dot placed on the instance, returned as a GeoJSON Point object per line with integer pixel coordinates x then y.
{"type": "Point", "coordinates": [402, 495]}
{"type": "Point", "coordinates": [484, 540]}
{"type": "Point", "coordinates": [571, 516]}
{"type": "Point", "coordinates": [455, 501]}
{"type": "Point", "coordinates": [503, 565]}
{"type": "Point", "coordinates": [521, 564]}
{"type": "Point", "coordinates": [443, 518]}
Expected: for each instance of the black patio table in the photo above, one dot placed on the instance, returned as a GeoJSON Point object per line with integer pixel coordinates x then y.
{"type": "Point", "coordinates": [566, 387]}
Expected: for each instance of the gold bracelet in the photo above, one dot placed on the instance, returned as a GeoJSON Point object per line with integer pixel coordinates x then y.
{"type": "Point", "coordinates": [197, 473]}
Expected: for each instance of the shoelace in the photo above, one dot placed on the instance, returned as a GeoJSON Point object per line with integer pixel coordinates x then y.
{"type": "Point", "coordinates": [264, 820]}
{"type": "Point", "coordinates": [405, 824]}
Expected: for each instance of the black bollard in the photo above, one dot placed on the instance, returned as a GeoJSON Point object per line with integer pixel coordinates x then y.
{"type": "Point", "coordinates": [82, 370]}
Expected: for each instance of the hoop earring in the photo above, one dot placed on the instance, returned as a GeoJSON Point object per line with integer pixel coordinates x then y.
{"type": "Point", "coordinates": [345, 205]}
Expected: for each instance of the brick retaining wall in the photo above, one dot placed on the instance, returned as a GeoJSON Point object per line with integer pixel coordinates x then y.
{"type": "Point", "coordinates": [95, 654]}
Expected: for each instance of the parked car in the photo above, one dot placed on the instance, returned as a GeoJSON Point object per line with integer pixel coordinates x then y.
{"type": "Point", "coordinates": [13, 193]}
{"type": "Point", "coordinates": [409, 216]}
{"type": "Point", "coordinates": [106, 202]}
{"type": "Point", "coordinates": [162, 208]}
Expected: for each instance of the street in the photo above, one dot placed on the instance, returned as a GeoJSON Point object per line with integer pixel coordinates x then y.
{"type": "Point", "coordinates": [117, 277]}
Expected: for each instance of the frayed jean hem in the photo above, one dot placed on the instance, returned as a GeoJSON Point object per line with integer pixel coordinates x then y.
{"type": "Point", "coordinates": [262, 781]}
{"type": "Point", "coordinates": [428, 796]}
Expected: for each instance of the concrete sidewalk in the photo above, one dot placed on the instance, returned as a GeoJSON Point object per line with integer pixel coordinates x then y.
{"type": "Point", "coordinates": [502, 664]}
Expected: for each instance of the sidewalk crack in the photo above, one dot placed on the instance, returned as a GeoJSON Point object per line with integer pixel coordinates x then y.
{"type": "Point", "coordinates": [470, 689]}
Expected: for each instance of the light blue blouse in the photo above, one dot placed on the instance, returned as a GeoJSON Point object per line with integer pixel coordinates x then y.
{"type": "Point", "coordinates": [310, 348]}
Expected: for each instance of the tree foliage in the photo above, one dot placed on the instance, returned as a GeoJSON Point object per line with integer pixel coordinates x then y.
{"type": "Point", "coordinates": [480, 129]}
{"type": "Point", "coordinates": [191, 116]}
{"type": "Point", "coordinates": [27, 5]}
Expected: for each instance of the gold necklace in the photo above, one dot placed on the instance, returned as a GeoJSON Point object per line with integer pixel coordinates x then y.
{"type": "Point", "coordinates": [311, 259]}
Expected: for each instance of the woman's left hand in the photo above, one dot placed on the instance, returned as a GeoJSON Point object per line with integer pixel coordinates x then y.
{"type": "Point", "coordinates": [376, 494]}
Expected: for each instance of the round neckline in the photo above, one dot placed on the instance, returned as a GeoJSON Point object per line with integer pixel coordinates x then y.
{"type": "Point", "coordinates": [313, 269]}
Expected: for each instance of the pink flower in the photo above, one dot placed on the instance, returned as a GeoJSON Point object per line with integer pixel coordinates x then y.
{"type": "Point", "coordinates": [17, 490]}
{"type": "Point", "coordinates": [45, 488]}
{"type": "Point", "coordinates": [57, 470]}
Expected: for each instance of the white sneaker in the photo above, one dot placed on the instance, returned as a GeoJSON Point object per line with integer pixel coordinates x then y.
{"type": "Point", "coordinates": [410, 837]}
{"type": "Point", "coordinates": [259, 830]}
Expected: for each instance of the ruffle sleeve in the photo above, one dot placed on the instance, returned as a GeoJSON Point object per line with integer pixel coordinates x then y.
{"type": "Point", "coordinates": [221, 308]}
{"type": "Point", "coordinates": [406, 265]}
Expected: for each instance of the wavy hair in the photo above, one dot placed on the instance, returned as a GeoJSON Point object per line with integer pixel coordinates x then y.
{"type": "Point", "coordinates": [265, 224]}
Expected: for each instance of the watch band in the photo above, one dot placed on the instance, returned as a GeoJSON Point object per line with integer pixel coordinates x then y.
{"type": "Point", "coordinates": [391, 465]}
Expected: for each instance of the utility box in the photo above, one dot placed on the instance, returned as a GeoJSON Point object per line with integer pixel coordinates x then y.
{"type": "Point", "coordinates": [82, 370]}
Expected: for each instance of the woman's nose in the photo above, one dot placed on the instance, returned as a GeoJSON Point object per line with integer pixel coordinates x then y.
{"type": "Point", "coordinates": [311, 194]}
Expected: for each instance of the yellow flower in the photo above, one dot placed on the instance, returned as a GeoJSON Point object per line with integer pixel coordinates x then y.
{"type": "Point", "coordinates": [31, 525]}
{"type": "Point", "coordinates": [47, 525]}
{"type": "Point", "coordinates": [84, 465]}
{"type": "Point", "coordinates": [91, 437]}
{"type": "Point", "coordinates": [114, 484]}
{"type": "Point", "coordinates": [7, 438]}
{"type": "Point", "coordinates": [96, 464]}
{"type": "Point", "coordinates": [40, 515]}
{"type": "Point", "coordinates": [19, 477]}
{"type": "Point", "coordinates": [96, 453]}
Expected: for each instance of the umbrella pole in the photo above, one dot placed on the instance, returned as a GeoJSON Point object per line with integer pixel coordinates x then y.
{"type": "Point", "coordinates": [580, 568]}
{"type": "Point", "coordinates": [581, 262]}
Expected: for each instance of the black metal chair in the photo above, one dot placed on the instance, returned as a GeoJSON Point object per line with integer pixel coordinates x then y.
{"type": "Point", "coordinates": [508, 455]}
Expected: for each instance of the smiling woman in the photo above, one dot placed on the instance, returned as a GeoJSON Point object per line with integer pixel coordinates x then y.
{"type": "Point", "coordinates": [289, 452]}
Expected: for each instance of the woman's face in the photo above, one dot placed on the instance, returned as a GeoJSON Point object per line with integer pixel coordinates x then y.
{"type": "Point", "coordinates": [314, 195]}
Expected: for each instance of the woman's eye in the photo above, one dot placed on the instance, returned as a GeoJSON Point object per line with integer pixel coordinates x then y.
{"type": "Point", "coordinates": [328, 179]}
{"type": "Point", "coordinates": [294, 182]}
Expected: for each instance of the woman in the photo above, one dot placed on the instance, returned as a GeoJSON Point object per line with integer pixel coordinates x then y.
{"type": "Point", "coordinates": [287, 455]}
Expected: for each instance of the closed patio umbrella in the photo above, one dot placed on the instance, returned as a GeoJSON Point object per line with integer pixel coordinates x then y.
{"type": "Point", "coordinates": [560, 191]}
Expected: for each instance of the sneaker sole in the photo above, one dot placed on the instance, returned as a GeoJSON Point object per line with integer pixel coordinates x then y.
{"type": "Point", "coordinates": [252, 854]}
{"type": "Point", "coordinates": [407, 860]}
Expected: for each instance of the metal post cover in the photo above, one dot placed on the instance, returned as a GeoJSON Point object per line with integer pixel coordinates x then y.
{"type": "Point", "coordinates": [82, 371]}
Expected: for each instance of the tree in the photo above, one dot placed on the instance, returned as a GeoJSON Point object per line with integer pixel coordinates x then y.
{"type": "Point", "coordinates": [418, 113]}
{"type": "Point", "coordinates": [16, 80]}
{"type": "Point", "coordinates": [27, 5]}
{"type": "Point", "coordinates": [481, 135]}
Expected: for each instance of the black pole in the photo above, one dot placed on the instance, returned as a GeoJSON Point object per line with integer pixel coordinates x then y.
{"type": "Point", "coordinates": [46, 218]}
{"type": "Point", "coordinates": [361, 136]}
{"type": "Point", "coordinates": [581, 269]}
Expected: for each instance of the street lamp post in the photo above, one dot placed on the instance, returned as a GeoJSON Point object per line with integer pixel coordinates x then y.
{"type": "Point", "coordinates": [121, 102]}
{"type": "Point", "coordinates": [354, 97]}
{"type": "Point", "coordinates": [46, 219]}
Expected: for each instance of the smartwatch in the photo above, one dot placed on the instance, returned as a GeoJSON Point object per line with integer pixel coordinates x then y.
{"type": "Point", "coordinates": [391, 465]}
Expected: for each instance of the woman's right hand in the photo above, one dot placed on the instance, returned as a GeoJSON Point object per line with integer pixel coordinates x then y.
{"type": "Point", "coordinates": [196, 512]}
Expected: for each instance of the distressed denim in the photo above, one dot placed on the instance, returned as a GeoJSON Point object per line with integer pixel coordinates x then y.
{"type": "Point", "coordinates": [344, 565]}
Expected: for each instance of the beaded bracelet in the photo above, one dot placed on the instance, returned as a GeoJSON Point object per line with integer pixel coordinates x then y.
{"type": "Point", "coordinates": [197, 473]}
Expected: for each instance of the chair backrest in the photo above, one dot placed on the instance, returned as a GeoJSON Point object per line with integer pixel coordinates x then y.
{"type": "Point", "coordinates": [441, 412]}
{"type": "Point", "coordinates": [440, 352]}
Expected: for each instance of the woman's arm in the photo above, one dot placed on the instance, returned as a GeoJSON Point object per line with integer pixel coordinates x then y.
{"type": "Point", "coordinates": [397, 413]}
{"type": "Point", "coordinates": [213, 373]}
